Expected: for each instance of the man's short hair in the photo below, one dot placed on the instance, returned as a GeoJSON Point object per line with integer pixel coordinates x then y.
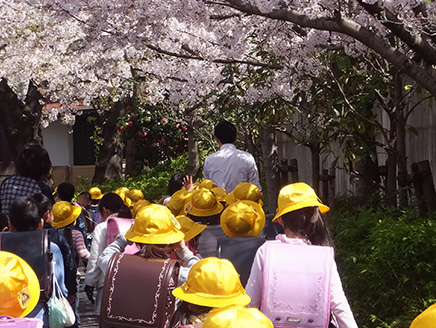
{"type": "Point", "coordinates": [225, 132]}
{"type": "Point", "coordinates": [111, 201]}
{"type": "Point", "coordinates": [24, 215]}
{"type": "Point", "coordinates": [44, 204]}
{"type": "Point", "coordinates": [66, 191]}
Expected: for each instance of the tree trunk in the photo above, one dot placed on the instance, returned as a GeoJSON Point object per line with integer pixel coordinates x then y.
{"type": "Point", "coordinates": [315, 151]}
{"type": "Point", "coordinates": [108, 166]}
{"type": "Point", "coordinates": [272, 168]}
{"type": "Point", "coordinates": [130, 157]}
{"type": "Point", "coordinates": [20, 121]}
{"type": "Point", "coordinates": [193, 155]}
{"type": "Point", "coordinates": [401, 141]}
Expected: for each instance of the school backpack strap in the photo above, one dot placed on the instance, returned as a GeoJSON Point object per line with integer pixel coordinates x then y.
{"type": "Point", "coordinates": [34, 248]}
{"type": "Point", "coordinates": [137, 292]}
{"type": "Point", "coordinates": [296, 285]}
{"type": "Point", "coordinates": [116, 226]}
{"type": "Point", "coordinates": [241, 252]}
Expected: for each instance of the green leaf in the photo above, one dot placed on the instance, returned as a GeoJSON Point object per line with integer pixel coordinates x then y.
{"type": "Point", "coordinates": [408, 87]}
{"type": "Point", "coordinates": [412, 130]}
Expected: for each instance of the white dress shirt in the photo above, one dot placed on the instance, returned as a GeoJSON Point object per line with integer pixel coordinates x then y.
{"type": "Point", "coordinates": [230, 166]}
{"type": "Point", "coordinates": [338, 304]}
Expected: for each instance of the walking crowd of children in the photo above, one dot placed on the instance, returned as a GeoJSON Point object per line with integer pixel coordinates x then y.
{"type": "Point", "coordinates": [202, 256]}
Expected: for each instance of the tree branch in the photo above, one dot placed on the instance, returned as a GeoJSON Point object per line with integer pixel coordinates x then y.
{"type": "Point", "coordinates": [351, 28]}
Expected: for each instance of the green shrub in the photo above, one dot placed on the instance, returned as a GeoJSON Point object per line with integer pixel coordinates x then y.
{"type": "Point", "coordinates": [386, 259]}
{"type": "Point", "coordinates": [153, 183]}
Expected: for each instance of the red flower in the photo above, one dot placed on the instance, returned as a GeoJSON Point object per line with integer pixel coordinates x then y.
{"type": "Point", "coordinates": [140, 133]}
{"type": "Point", "coordinates": [164, 120]}
{"type": "Point", "coordinates": [177, 126]}
{"type": "Point", "coordinates": [185, 129]}
{"type": "Point", "coordinates": [128, 108]}
{"type": "Point", "coordinates": [126, 100]}
{"type": "Point", "coordinates": [144, 134]}
{"type": "Point", "coordinates": [121, 127]}
{"type": "Point", "coordinates": [130, 123]}
{"type": "Point", "coordinates": [162, 141]}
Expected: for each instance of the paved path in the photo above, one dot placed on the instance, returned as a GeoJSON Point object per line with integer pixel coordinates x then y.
{"type": "Point", "coordinates": [87, 316]}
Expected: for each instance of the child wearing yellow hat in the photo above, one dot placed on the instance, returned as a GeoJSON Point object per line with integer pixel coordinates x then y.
{"type": "Point", "coordinates": [245, 191]}
{"type": "Point", "coordinates": [192, 231]}
{"type": "Point", "coordinates": [212, 283]}
{"type": "Point", "coordinates": [206, 209]}
{"type": "Point", "coordinates": [158, 233]}
{"type": "Point", "coordinates": [299, 212]}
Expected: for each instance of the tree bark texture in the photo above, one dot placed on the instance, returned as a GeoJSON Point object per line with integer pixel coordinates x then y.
{"type": "Point", "coordinates": [271, 166]}
{"type": "Point", "coordinates": [108, 166]}
{"type": "Point", "coordinates": [193, 155]}
{"type": "Point", "coordinates": [20, 120]}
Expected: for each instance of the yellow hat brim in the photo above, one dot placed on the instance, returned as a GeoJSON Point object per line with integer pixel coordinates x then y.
{"type": "Point", "coordinates": [259, 224]}
{"type": "Point", "coordinates": [214, 211]}
{"type": "Point", "coordinates": [33, 286]}
{"type": "Point", "coordinates": [196, 230]}
{"type": "Point", "coordinates": [157, 239]}
{"type": "Point", "coordinates": [210, 300]}
{"type": "Point", "coordinates": [73, 217]}
{"type": "Point", "coordinates": [311, 203]}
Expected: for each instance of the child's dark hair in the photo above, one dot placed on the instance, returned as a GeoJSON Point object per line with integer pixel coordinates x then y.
{"type": "Point", "coordinates": [3, 221]}
{"type": "Point", "coordinates": [125, 212]}
{"type": "Point", "coordinates": [24, 215]}
{"type": "Point", "coordinates": [308, 223]}
{"type": "Point", "coordinates": [43, 202]}
{"type": "Point", "coordinates": [155, 251]}
{"type": "Point", "coordinates": [225, 132]}
{"type": "Point", "coordinates": [175, 183]}
{"type": "Point", "coordinates": [111, 201]}
{"type": "Point", "coordinates": [33, 161]}
{"type": "Point", "coordinates": [86, 194]}
{"type": "Point", "coordinates": [208, 220]}
{"type": "Point", "coordinates": [66, 191]}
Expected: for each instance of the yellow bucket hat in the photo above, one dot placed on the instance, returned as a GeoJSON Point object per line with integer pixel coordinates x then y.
{"type": "Point", "coordinates": [178, 201]}
{"type": "Point", "coordinates": [208, 184]}
{"type": "Point", "coordinates": [135, 195]}
{"type": "Point", "coordinates": [189, 227]}
{"type": "Point", "coordinates": [245, 191]}
{"type": "Point", "coordinates": [19, 286]}
{"type": "Point", "coordinates": [64, 214]}
{"type": "Point", "coordinates": [220, 193]}
{"type": "Point", "coordinates": [426, 319]}
{"type": "Point", "coordinates": [138, 205]}
{"type": "Point", "coordinates": [122, 189]}
{"type": "Point", "coordinates": [123, 195]}
{"type": "Point", "coordinates": [243, 219]}
{"type": "Point", "coordinates": [235, 316]}
{"type": "Point", "coordinates": [95, 193]}
{"type": "Point", "coordinates": [155, 224]}
{"type": "Point", "coordinates": [213, 282]}
{"type": "Point", "coordinates": [203, 203]}
{"type": "Point", "coordinates": [296, 196]}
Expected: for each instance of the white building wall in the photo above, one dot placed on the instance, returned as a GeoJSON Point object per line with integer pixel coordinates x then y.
{"type": "Point", "coordinates": [59, 144]}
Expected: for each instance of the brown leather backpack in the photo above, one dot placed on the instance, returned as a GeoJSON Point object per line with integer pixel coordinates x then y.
{"type": "Point", "coordinates": [137, 292]}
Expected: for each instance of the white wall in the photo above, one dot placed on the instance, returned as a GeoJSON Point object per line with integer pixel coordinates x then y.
{"type": "Point", "coordinates": [59, 143]}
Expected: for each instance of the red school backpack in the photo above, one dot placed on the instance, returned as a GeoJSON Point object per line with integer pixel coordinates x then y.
{"type": "Point", "coordinates": [296, 284]}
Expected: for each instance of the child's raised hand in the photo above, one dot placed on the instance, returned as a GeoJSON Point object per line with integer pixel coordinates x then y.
{"type": "Point", "coordinates": [180, 246]}
{"type": "Point", "coordinates": [187, 183]}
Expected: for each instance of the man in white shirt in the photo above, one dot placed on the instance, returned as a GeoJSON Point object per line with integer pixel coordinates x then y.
{"type": "Point", "coordinates": [230, 166]}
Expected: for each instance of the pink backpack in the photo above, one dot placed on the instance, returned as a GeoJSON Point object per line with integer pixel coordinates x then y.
{"type": "Point", "coordinates": [9, 322]}
{"type": "Point", "coordinates": [115, 226]}
{"type": "Point", "coordinates": [296, 284]}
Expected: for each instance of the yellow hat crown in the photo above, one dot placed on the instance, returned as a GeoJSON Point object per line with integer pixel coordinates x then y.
{"type": "Point", "coordinates": [64, 214]}
{"type": "Point", "coordinates": [178, 200]}
{"type": "Point", "coordinates": [245, 191]}
{"type": "Point", "coordinates": [213, 282]}
{"type": "Point", "coordinates": [207, 184]}
{"type": "Point", "coordinates": [19, 286]}
{"type": "Point", "coordinates": [138, 205]}
{"type": "Point", "coordinates": [135, 195]}
{"type": "Point", "coordinates": [95, 193]}
{"type": "Point", "coordinates": [235, 316]}
{"type": "Point", "coordinates": [297, 196]}
{"type": "Point", "coordinates": [243, 219]}
{"type": "Point", "coordinates": [426, 319]}
{"type": "Point", "coordinates": [203, 203]}
{"type": "Point", "coordinates": [155, 224]}
{"type": "Point", "coordinates": [220, 193]}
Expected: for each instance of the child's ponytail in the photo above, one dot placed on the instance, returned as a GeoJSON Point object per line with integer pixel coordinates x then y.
{"type": "Point", "coordinates": [308, 223]}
